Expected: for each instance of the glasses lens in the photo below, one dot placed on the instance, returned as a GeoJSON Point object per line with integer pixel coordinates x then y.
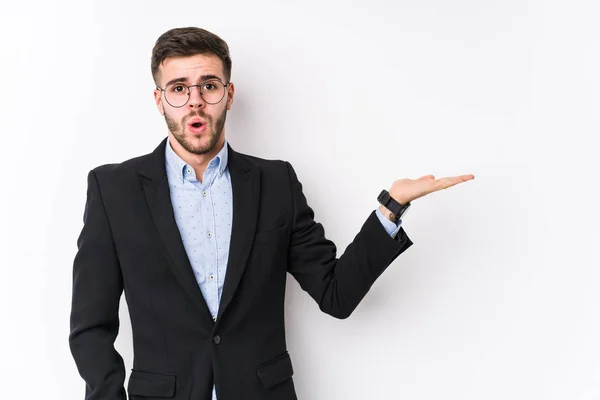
{"type": "Point", "coordinates": [177, 94]}
{"type": "Point", "coordinates": [212, 91]}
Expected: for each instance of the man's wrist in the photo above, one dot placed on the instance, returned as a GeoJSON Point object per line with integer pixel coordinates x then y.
{"type": "Point", "coordinates": [387, 213]}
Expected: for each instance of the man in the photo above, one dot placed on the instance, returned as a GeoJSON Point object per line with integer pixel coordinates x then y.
{"type": "Point", "coordinates": [200, 238]}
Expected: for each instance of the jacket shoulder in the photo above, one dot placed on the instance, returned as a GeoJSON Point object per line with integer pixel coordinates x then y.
{"type": "Point", "coordinates": [270, 168]}
{"type": "Point", "coordinates": [122, 171]}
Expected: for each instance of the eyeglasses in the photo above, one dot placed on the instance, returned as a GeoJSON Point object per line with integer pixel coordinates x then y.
{"type": "Point", "coordinates": [178, 94]}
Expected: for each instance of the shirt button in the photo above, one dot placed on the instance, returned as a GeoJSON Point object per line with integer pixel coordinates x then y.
{"type": "Point", "coordinates": [217, 339]}
{"type": "Point", "coordinates": [209, 234]}
{"type": "Point", "coordinates": [204, 193]}
{"type": "Point", "coordinates": [211, 277]}
{"type": "Point", "coordinates": [214, 318]}
{"type": "Point", "coordinates": [189, 171]}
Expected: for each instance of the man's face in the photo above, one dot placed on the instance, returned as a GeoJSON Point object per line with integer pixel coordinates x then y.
{"type": "Point", "coordinates": [197, 126]}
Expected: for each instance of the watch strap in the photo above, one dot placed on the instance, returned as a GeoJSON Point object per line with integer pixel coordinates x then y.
{"type": "Point", "coordinates": [391, 204]}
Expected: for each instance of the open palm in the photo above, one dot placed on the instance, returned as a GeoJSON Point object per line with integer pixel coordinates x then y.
{"type": "Point", "coordinates": [405, 190]}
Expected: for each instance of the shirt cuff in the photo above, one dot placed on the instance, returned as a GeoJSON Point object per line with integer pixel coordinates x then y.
{"type": "Point", "coordinates": [391, 227]}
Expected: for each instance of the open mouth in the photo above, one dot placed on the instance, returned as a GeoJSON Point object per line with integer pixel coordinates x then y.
{"type": "Point", "coordinates": [196, 125]}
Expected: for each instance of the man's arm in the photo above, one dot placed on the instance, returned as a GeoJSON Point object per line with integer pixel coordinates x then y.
{"type": "Point", "coordinates": [338, 285]}
{"type": "Point", "coordinates": [97, 289]}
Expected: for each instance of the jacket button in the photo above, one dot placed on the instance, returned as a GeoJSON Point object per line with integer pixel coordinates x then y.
{"type": "Point", "coordinates": [217, 339]}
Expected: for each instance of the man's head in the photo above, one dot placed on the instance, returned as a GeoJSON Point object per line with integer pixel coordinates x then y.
{"type": "Point", "coordinates": [184, 57]}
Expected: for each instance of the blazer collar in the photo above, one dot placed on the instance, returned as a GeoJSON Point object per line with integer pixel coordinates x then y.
{"type": "Point", "coordinates": [154, 167]}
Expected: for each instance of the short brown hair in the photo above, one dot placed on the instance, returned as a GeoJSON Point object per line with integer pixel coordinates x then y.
{"type": "Point", "coordinates": [190, 41]}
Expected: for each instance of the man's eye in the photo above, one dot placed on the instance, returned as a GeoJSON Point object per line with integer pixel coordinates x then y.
{"type": "Point", "coordinates": [209, 86]}
{"type": "Point", "coordinates": [178, 88]}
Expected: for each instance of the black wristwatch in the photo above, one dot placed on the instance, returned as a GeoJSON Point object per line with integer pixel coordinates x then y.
{"type": "Point", "coordinates": [398, 210]}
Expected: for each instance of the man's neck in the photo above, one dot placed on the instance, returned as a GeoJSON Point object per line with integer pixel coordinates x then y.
{"type": "Point", "coordinates": [199, 162]}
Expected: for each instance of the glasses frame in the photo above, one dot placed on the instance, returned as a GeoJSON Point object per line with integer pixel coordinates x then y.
{"type": "Point", "coordinates": [199, 88]}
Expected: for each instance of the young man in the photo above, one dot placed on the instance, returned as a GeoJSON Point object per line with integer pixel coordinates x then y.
{"type": "Point", "coordinates": [200, 239]}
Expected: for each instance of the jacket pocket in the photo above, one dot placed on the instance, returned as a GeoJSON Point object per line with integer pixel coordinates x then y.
{"type": "Point", "coordinates": [151, 384]}
{"type": "Point", "coordinates": [275, 371]}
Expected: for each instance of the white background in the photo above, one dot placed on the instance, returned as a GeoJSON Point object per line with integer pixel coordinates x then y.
{"type": "Point", "coordinates": [499, 296]}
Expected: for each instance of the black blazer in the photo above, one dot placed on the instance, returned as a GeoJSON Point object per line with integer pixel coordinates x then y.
{"type": "Point", "coordinates": [130, 242]}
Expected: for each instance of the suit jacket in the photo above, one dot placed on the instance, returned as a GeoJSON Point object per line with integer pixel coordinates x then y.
{"type": "Point", "coordinates": [130, 243]}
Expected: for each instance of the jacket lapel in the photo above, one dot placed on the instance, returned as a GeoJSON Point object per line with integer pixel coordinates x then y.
{"type": "Point", "coordinates": [158, 197]}
{"type": "Point", "coordinates": [245, 181]}
{"type": "Point", "coordinates": [245, 184]}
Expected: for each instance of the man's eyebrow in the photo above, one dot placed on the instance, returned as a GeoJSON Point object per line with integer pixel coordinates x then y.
{"type": "Point", "coordinates": [184, 79]}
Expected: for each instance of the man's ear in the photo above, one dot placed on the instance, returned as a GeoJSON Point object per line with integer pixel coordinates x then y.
{"type": "Point", "coordinates": [230, 93]}
{"type": "Point", "coordinates": [158, 101]}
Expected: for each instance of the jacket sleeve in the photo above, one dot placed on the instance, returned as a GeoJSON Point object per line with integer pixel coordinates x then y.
{"type": "Point", "coordinates": [338, 285]}
{"type": "Point", "coordinates": [97, 289]}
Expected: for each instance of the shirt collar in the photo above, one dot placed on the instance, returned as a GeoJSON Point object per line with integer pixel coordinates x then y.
{"type": "Point", "coordinates": [177, 165]}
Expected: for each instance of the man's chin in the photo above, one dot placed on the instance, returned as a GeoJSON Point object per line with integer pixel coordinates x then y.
{"type": "Point", "coordinates": [198, 150]}
{"type": "Point", "coordinates": [199, 145]}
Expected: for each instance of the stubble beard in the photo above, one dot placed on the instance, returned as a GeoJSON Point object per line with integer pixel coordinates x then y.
{"type": "Point", "coordinates": [213, 131]}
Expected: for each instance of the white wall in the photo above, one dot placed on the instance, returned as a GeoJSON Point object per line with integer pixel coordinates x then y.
{"type": "Point", "coordinates": [499, 296]}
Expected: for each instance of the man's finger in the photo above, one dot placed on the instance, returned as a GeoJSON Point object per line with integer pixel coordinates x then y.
{"type": "Point", "coordinates": [445, 183]}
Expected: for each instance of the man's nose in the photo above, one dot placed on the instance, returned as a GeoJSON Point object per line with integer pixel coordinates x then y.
{"type": "Point", "coordinates": [196, 99]}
